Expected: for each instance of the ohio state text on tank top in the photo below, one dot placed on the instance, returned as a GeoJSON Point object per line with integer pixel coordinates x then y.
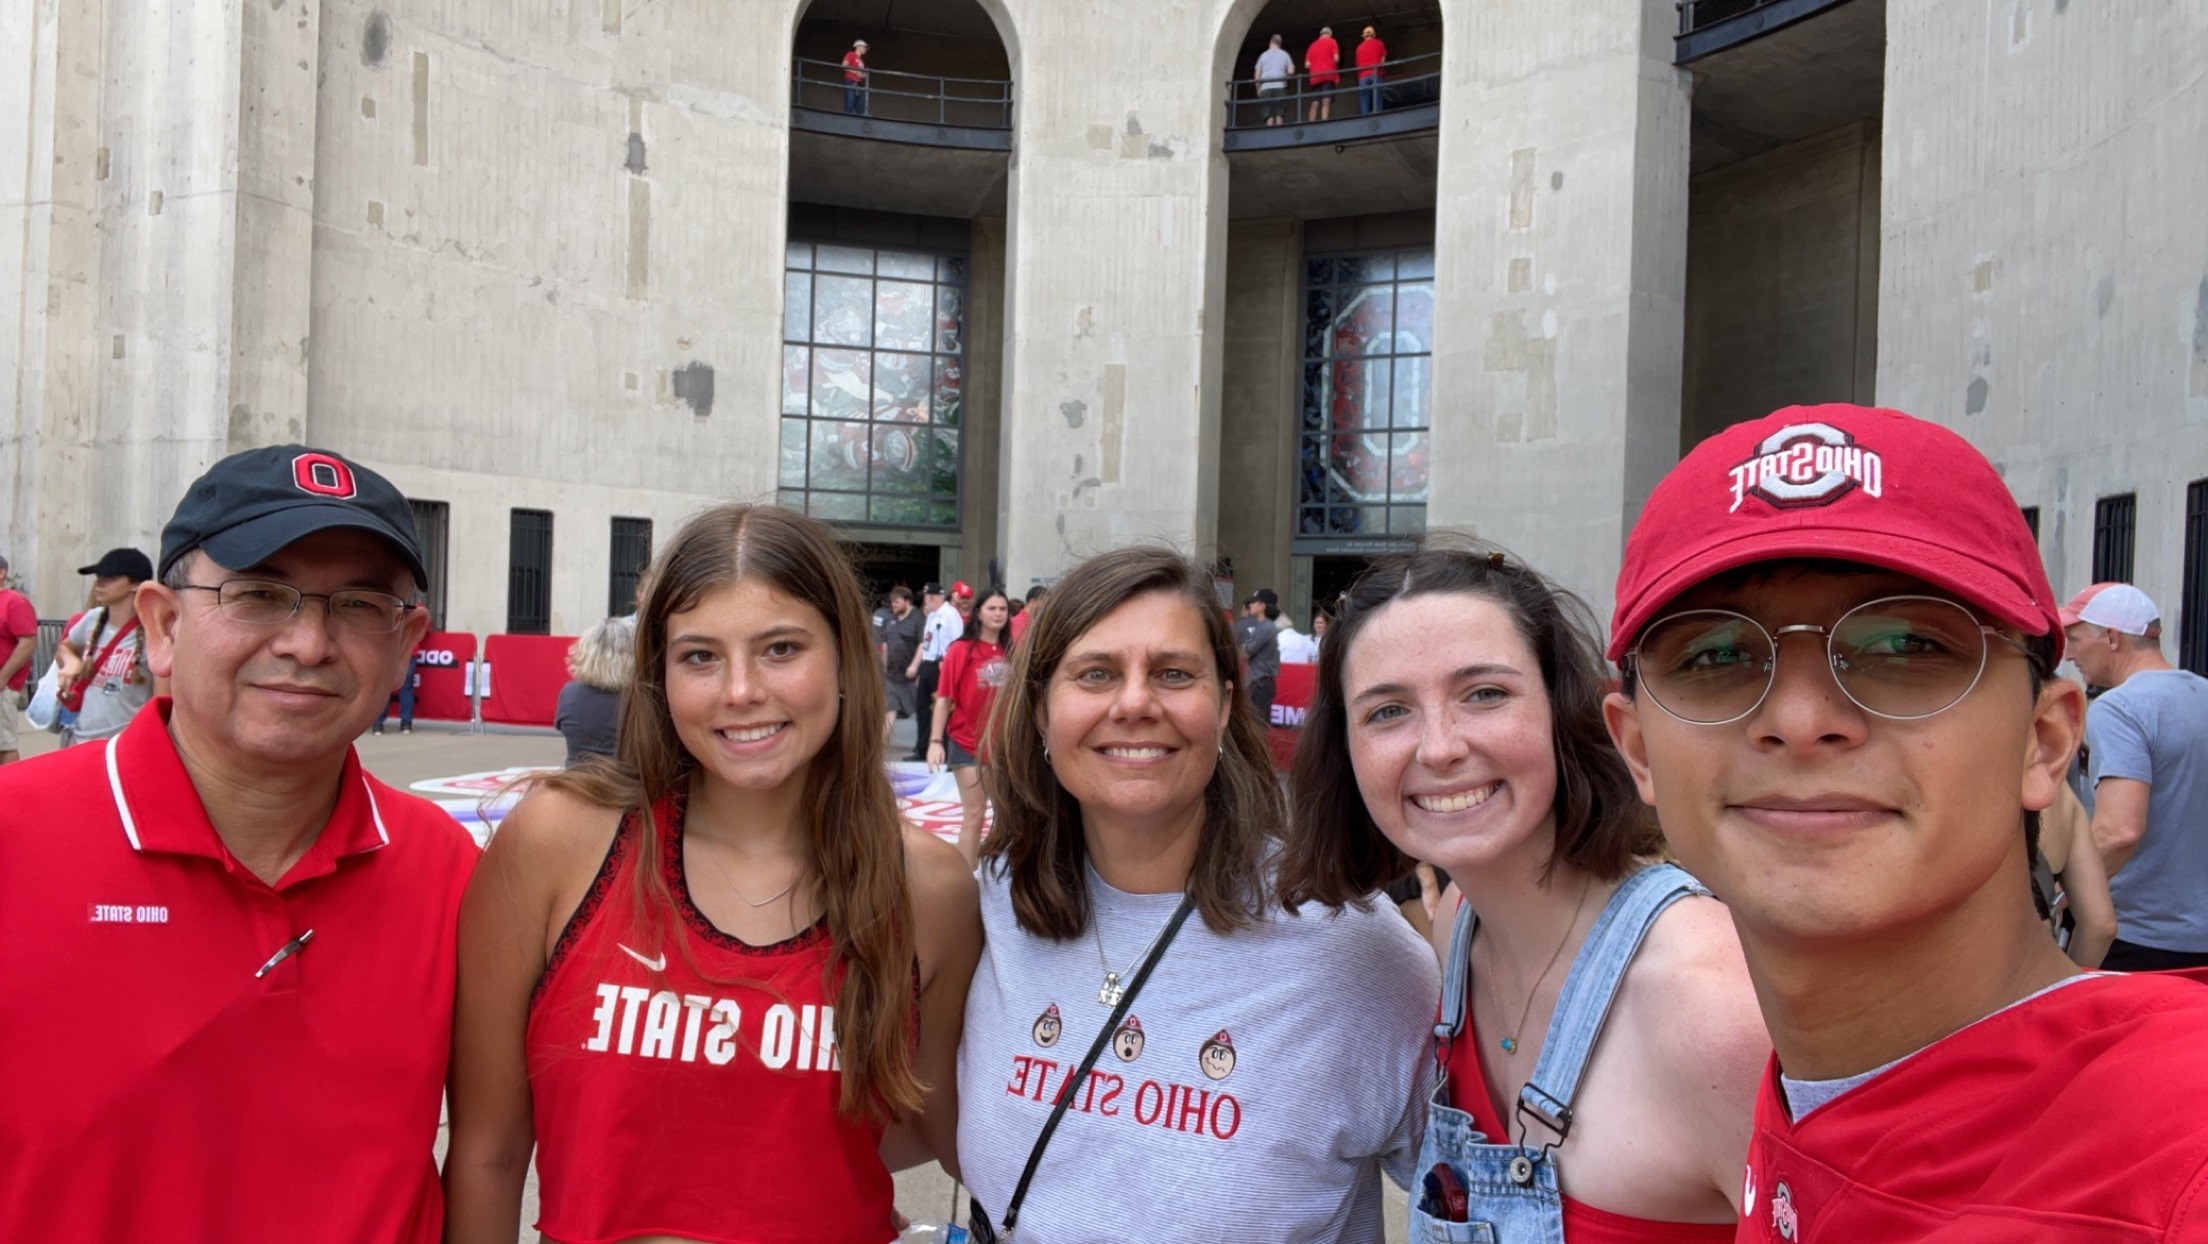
{"type": "Point", "coordinates": [685, 1082]}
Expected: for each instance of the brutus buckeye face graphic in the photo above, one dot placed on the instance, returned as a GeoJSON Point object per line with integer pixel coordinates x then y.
{"type": "Point", "coordinates": [1127, 1040]}
{"type": "Point", "coordinates": [1217, 1057]}
{"type": "Point", "coordinates": [1048, 1026]}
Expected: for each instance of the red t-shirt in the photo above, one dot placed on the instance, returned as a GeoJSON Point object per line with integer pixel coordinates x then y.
{"type": "Point", "coordinates": [1019, 624]}
{"type": "Point", "coordinates": [1370, 54]}
{"type": "Point", "coordinates": [2079, 1116]}
{"type": "Point", "coordinates": [17, 621]}
{"type": "Point", "coordinates": [971, 676]}
{"type": "Point", "coordinates": [854, 67]}
{"type": "Point", "coordinates": [158, 1084]}
{"type": "Point", "coordinates": [1583, 1224]}
{"type": "Point", "coordinates": [1323, 59]}
{"type": "Point", "coordinates": [692, 1090]}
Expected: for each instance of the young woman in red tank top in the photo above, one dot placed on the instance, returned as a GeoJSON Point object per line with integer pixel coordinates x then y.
{"type": "Point", "coordinates": [717, 982]}
{"type": "Point", "coordinates": [1457, 719]}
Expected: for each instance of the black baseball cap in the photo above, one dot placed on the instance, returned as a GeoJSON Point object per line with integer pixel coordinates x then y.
{"type": "Point", "coordinates": [933, 589]}
{"type": "Point", "coordinates": [129, 562]}
{"type": "Point", "coordinates": [251, 505]}
{"type": "Point", "coordinates": [1265, 596]}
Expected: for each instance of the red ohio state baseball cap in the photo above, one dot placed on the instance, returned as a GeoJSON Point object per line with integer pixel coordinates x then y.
{"type": "Point", "coordinates": [1842, 483]}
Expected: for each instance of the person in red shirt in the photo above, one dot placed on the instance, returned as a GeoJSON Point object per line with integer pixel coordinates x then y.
{"type": "Point", "coordinates": [854, 79]}
{"type": "Point", "coordinates": [1026, 616]}
{"type": "Point", "coordinates": [230, 976]}
{"type": "Point", "coordinates": [705, 978]}
{"type": "Point", "coordinates": [1323, 62]}
{"type": "Point", "coordinates": [18, 641]}
{"type": "Point", "coordinates": [1371, 54]}
{"type": "Point", "coordinates": [973, 672]}
{"type": "Point", "coordinates": [1838, 641]}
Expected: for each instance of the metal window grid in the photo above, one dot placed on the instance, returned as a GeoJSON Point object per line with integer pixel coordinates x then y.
{"type": "Point", "coordinates": [433, 529]}
{"type": "Point", "coordinates": [2113, 522]}
{"type": "Point", "coordinates": [529, 573]}
{"type": "Point", "coordinates": [631, 553]}
{"type": "Point", "coordinates": [1330, 518]}
{"type": "Point", "coordinates": [871, 504]}
{"type": "Point", "coordinates": [2192, 613]}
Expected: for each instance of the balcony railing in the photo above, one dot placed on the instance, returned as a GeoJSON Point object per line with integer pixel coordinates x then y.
{"type": "Point", "coordinates": [1403, 98]}
{"type": "Point", "coordinates": [927, 109]}
{"type": "Point", "coordinates": [1707, 26]}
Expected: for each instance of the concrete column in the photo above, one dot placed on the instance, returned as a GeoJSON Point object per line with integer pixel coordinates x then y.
{"type": "Point", "coordinates": [982, 424]}
{"type": "Point", "coordinates": [1561, 274]}
{"type": "Point", "coordinates": [160, 314]}
{"type": "Point", "coordinates": [1258, 418]}
{"type": "Point", "coordinates": [1118, 227]}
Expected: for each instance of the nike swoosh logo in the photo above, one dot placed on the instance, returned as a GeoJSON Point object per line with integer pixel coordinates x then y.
{"type": "Point", "coordinates": [657, 965]}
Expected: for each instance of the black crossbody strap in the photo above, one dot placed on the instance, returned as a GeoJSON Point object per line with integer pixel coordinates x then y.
{"type": "Point", "coordinates": [981, 1227]}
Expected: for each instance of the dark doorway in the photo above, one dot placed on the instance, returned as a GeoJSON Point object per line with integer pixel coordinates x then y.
{"type": "Point", "coordinates": [884, 566]}
{"type": "Point", "coordinates": [1330, 577]}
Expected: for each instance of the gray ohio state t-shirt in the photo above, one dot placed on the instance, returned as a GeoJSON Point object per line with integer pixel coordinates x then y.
{"type": "Point", "coordinates": [1261, 1083]}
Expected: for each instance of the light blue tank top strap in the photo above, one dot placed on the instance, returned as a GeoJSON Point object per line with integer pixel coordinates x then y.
{"type": "Point", "coordinates": [1589, 988]}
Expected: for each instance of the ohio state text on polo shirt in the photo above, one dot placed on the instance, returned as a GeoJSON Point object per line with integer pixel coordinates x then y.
{"type": "Point", "coordinates": [155, 1084]}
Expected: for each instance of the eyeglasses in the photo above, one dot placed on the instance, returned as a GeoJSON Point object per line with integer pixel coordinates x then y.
{"type": "Point", "coordinates": [1901, 657]}
{"type": "Point", "coordinates": [258, 602]}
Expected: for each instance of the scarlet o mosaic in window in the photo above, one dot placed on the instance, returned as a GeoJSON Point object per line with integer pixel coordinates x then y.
{"type": "Point", "coordinates": [1367, 395]}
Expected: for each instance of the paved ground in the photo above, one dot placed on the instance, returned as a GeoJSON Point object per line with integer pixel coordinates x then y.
{"type": "Point", "coordinates": [924, 1193]}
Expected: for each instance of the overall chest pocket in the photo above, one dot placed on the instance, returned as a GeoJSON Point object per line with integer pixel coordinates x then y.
{"type": "Point", "coordinates": [1426, 1229]}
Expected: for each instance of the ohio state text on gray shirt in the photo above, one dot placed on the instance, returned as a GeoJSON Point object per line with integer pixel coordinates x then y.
{"type": "Point", "coordinates": [1259, 1085]}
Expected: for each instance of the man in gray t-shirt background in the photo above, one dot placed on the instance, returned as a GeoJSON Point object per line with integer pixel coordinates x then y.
{"type": "Point", "coordinates": [2146, 742]}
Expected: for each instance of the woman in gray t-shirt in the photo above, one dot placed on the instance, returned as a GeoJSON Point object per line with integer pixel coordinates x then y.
{"type": "Point", "coordinates": [1269, 1069]}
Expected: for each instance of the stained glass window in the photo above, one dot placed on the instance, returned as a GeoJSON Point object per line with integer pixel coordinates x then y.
{"type": "Point", "coordinates": [873, 358]}
{"type": "Point", "coordinates": [1363, 444]}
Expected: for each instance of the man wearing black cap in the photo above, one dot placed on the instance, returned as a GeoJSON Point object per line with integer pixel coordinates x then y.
{"type": "Point", "coordinates": [1260, 639]}
{"type": "Point", "coordinates": [221, 923]}
{"type": "Point", "coordinates": [100, 665]}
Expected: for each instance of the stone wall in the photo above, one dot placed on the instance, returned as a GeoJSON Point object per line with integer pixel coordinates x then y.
{"type": "Point", "coordinates": [2043, 272]}
{"type": "Point", "coordinates": [1782, 282]}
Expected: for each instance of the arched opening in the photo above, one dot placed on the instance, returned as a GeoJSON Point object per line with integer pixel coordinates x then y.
{"type": "Point", "coordinates": [1330, 297]}
{"type": "Point", "coordinates": [894, 283]}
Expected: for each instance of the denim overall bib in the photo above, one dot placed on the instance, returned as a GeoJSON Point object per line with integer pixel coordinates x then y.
{"type": "Point", "coordinates": [1512, 1188]}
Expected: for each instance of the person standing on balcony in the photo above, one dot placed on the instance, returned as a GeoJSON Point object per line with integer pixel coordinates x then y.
{"type": "Point", "coordinates": [1274, 68]}
{"type": "Point", "coordinates": [1371, 54]}
{"type": "Point", "coordinates": [854, 80]}
{"type": "Point", "coordinates": [1323, 62]}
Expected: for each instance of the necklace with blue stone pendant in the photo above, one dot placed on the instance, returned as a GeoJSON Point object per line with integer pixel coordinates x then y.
{"type": "Point", "coordinates": [1509, 1040]}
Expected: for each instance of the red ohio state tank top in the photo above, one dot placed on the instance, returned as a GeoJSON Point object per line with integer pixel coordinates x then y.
{"type": "Point", "coordinates": [685, 1082]}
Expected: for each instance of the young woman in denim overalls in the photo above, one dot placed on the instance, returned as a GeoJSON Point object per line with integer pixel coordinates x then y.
{"type": "Point", "coordinates": [1598, 1041]}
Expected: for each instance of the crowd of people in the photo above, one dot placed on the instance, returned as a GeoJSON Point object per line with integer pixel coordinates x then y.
{"type": "Point", "coordinates": [1746, 931]}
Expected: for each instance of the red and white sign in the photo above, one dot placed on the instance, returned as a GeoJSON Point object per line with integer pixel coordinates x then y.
{"type": "Point", "coordinates": [1292, 689]}
{"type": "Point", "coordinates": [441, 676]}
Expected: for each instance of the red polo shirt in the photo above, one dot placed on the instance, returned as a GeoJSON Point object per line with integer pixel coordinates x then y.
{"type": "Point", "coordinates": [153, 1084]}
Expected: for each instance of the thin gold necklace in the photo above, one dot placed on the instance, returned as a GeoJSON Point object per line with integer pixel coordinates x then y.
{"type": "Point", "coordinates": [1509, 1040]}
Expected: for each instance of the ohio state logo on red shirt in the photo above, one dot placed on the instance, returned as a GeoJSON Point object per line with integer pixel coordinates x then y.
{"type": "Point", "coordinates": [1806, 464]}
{"type": "Point", "coordinates": [323, 476]}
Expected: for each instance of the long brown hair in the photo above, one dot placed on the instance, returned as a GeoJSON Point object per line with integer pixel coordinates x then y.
{"type": "Point", "coordinates": [1037, 835]}
{"type": "Point", "coordinates": [1337, 855]}
{"type": "Point", "coordinates": [854, 835]}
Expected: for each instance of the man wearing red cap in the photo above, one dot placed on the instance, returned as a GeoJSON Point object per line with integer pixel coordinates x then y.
{"type": "Point", "coordinates": [2146, 778]}
{"type": "Point", "coordinates": [1837, 642]}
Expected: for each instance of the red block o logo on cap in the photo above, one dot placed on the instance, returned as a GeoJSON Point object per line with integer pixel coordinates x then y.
{"type": "Point", "coordinates": [323, 476]}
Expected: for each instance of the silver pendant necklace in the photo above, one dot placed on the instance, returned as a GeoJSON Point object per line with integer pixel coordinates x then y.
{"type": "Point", "coordinates": [1112, 991]}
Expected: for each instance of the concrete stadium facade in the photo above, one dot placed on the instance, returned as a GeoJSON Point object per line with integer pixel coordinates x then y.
{"type": "Point", "coordinates": [540, 257]}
